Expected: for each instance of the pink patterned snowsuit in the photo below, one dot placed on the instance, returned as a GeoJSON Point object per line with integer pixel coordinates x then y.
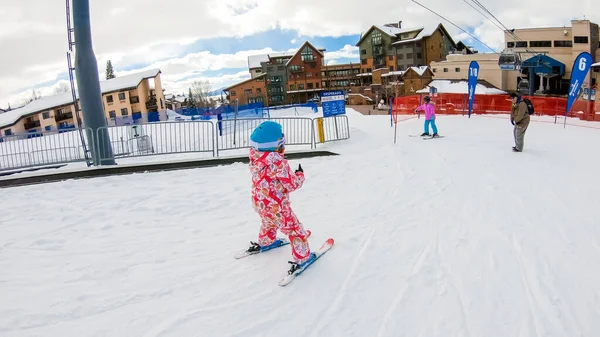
{"type": "Point", "coordinates": [273, 180]}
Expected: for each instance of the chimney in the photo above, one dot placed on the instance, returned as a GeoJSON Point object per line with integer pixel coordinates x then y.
{"type": "Point", "coordinates": [400, 24]}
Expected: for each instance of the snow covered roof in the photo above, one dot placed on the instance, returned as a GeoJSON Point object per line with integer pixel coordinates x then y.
{"type": "Point", "coordinates": [65, 98]}
{"type": "Point", "coordinates": [389, 30]}
{"type": "Point", "coordinates": [394, 73]}
{"type": "Point", "coordinates": [461, 87]}
{"type": "Point", "coordinates": [420, 70]}
{"type": "Point", "coordinates": [424, 32]}
{"type": "Point", "coordinates": [255, 60]}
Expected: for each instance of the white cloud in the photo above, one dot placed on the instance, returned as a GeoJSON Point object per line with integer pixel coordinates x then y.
{"type": "Point", "coordinates": [146, 31]}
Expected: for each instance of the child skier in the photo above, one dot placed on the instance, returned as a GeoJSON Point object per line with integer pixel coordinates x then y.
{"type": "Point", "coordinates": [273, 180]}
{"type": "Point", "coordinates": [429, 109]}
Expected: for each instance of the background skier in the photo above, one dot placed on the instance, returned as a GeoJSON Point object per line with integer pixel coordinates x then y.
{"type": "Point", "coordinates": [429, 109]}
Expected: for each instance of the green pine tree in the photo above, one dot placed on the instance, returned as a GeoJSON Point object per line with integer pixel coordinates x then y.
{"type": "Point", "coordinates": [191, 100]}
{"type": "Point", "coordinates": [110, 72]}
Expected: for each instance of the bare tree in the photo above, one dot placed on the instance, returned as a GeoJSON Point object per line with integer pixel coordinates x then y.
{"type": "Point", "coordinates": [62, 87]}
{"type": "Point", "coordinates": [200, 93]}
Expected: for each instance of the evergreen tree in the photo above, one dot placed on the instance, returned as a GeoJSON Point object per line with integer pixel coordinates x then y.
{"type": "Point", "coordinates": [110, 72]}
{"type": "Point", "coordinates": [191, 100]}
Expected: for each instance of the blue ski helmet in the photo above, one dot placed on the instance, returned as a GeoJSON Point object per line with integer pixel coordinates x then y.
{"type": "Point", "coordinates": [267, 136]}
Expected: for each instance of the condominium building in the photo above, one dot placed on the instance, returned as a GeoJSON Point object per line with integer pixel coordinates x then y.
{"type": "Point", "coordinates": [288, 77]}
{"type": "Point", "coordinates": [544, 55]}
{"type": "Point", "coordinates": [396, 48]}
{"type": "Point", "coordinates": [126, 99]}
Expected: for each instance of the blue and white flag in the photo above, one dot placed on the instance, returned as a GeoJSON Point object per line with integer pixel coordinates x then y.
{"type": "Point", "coordinates": [581, 67]}
{"type": "Point", "coordinates": [473, 75]}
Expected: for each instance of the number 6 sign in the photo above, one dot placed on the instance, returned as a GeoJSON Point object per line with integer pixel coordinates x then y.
{"type": "Point", "coordinates": [581, 67]}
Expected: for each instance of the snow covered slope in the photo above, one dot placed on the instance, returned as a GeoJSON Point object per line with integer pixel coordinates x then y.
{"type": "Point", "coordinates": [449, 237]}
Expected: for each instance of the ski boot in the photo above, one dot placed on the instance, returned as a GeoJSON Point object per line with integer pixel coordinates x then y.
{"type": "Point", "coordinates": [295, 265]}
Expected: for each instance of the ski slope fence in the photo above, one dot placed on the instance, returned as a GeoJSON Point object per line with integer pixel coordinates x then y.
{"type": "Point", "coordinates": [457, 104]}
{"type": "Point", "coordinates": [161, 138]}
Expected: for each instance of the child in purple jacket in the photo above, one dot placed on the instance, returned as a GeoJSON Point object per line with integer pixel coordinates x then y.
{"type": "Point", "coordinates": [429, 109]}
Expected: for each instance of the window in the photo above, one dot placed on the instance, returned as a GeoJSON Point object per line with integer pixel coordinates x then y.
{"type": "Point", "coordinates": [419, 55]}
{"type": "Point", "coordinates": [134, 99]}
{"type": "Point", "coordinates": [8, 132]}
{"type": "Point", "coordinates": [301, 86]}
{"type": "Point", "coordinates": [309, 86]}
{"type": "Point", "coordinates": [363, 61]}
{"type": "Point", "coordinates": [109, 99]}
{"type": "Point", "coordinates": [363, 51]}
{"type": "Point", "coordinates": [445, 70]}
{"type": "Point", "coordinates": [434, 70]}
{"type": "Point", "coordinates": [376, 38]}
{"type": "Point", "coordinates": [510, 44]}
{"type": "Point", "coordinates": [124, 112]}
{"type": "Point", "coordinates": [391, 68]}
{"type": "Point", "coordinates": [409, 55]}
{"type": "Point", "coordinates": [258, 90]}
{"type": "Point", "coordinates": [390, 57]}
{"type": "Point", "coordinates": [400, 56]}
{"type": "Point", "coordinates": [292, 87]}
{"type": "Point", "coordinates": [580, 39]}
{"type": "Point", "coordinates": [521, 44]}
{"type": "Point", "coordinates": [248, 92]}
{"type": "Point", "coordinates": [232, 93]}
{"type": "Point", "coordinates": [121, 96]}
{"type": "Point", "coordinates": [457, 70]}
{"type": "Point", "coordinates": [307, 54]}
{"type": "Point", "coordinates": [45, 115]}
{"type": "Point", "coordinates": [112, 114]}
{"type": "Point", "coordinates": [48, 128]}
{"type": "Point", "coordinates": [269, 69]}
{"type": "Point", "coordinates": [563, 44]}
{"type": "Point", "coordinates": [540, 44]}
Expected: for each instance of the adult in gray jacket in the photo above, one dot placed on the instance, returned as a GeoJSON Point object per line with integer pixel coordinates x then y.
{"type": "Point", "coordinates": [519, 117]}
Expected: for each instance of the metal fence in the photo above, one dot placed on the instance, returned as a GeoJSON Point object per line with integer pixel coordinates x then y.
{"type": "Point", "coordinates": [148, 139]}
{"type": "Point", "coordinates": [42, 148]}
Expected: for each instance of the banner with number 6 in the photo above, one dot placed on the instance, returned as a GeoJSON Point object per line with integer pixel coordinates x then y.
{"type": "Point", "coordinates": [473, 75]}
{"type": "Point", "coordinates": [581, 67]}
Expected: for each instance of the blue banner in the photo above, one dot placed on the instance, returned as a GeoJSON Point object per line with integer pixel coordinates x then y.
{"type": "Point", "coordinates": [473, 75]}
{"type": "Point", "coordinates": [333, 102]}
{"type": "Point", "coordinates": [581, 66]}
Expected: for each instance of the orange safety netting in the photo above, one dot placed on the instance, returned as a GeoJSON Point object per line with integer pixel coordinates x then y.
{"type": "Point", "coordinates": [458, 104]}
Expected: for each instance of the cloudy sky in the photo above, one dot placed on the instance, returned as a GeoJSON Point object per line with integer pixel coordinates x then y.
{"type": "Point", "coordinates": [211, 39]}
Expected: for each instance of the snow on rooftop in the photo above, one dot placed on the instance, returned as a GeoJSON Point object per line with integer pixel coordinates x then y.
{"type": "Point", "coordinates": [49, 102]}
{"type": "Point", "coordinates": [425, 32]}
{"type": "Point", "coordinates": [393, 31]}
{"type": "Point", "coordinates": [255, 60]}
{"type": "Point", "coordinates": [459, 87]}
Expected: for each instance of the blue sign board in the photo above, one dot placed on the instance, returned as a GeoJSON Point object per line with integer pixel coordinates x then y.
{"type": "Point", "coordinates": [472, 83]}
{"type": "Point", "coordinates": [333, 103]}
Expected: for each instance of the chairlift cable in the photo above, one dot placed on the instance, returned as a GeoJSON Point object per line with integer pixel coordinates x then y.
{"type": "Point", "coordinates": [452, 23]}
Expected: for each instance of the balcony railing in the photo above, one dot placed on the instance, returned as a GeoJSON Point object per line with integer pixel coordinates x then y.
{"type": "Point", "coordinates": [32, 124]}
{"type": "Point", "coordinates": [63, 116]}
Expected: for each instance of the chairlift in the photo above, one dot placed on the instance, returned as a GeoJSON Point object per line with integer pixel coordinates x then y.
{"type": "Point", "coordinates": [509, 60]}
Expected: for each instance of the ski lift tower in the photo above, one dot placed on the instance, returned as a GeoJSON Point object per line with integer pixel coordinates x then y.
{"type": "Point", "coordinates": [88, 84]}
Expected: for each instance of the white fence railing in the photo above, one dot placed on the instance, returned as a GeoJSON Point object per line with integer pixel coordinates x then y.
{"type": "Point", "coordinates": [162, 138]}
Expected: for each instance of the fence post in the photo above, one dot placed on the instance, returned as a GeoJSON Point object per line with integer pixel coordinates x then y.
{"type": "Point", "coordinates": [235, 113]}
{"type": "Point", "coordinates": [320, 130]}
